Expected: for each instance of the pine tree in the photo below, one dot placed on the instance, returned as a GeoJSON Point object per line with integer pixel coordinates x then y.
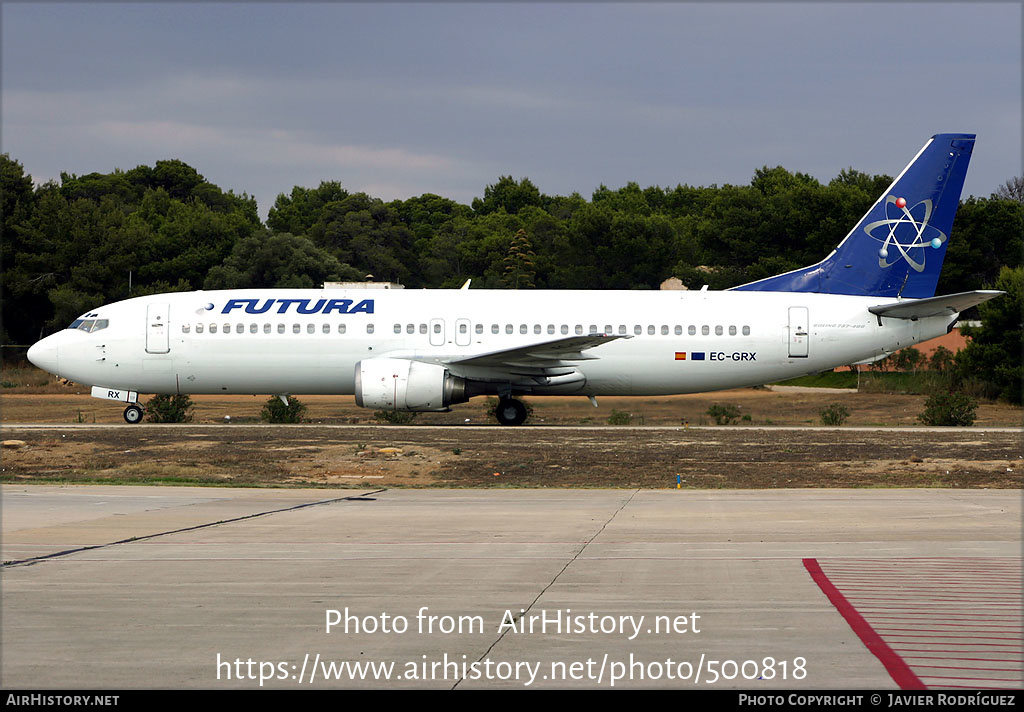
{"type": "Point", "coordinates": [520, 268]}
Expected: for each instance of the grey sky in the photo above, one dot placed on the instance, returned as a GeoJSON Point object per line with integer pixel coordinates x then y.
{"type": "Point", "coordinates": [399, 99]}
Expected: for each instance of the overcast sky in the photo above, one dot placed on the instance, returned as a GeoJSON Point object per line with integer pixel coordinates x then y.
{"type": "Point", "coordinates": [403, 99]}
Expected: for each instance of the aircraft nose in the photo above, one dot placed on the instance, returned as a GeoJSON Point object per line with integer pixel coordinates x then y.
{"type": "Point", "coordinates": [44, 354]}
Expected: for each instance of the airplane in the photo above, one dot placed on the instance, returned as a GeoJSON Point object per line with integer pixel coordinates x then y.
{"type": "Point", "coordinates": [425, 350]}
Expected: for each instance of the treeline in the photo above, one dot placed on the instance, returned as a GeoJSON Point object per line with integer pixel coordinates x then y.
{"type": "Point", "coordinates": [98, 238]}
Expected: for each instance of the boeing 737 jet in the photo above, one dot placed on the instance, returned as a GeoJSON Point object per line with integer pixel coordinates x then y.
{"type": "Point", "coordinates": [424, 350]}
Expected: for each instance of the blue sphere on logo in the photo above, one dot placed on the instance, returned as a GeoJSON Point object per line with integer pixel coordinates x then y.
{"type": "Point", "coordinates": [209, 307]}
{"type": "Point", "coordinates": [936, 243]}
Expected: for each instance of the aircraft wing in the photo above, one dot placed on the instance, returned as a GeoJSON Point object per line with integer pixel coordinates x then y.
{"type": "Point", "coordinates": [544, 353]}
{"type": "Point", "coordinates": [948, 305]}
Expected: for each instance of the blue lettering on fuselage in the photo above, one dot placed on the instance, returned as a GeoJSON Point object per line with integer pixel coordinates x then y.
{"type": "Point", "coordinates": [302, 306]}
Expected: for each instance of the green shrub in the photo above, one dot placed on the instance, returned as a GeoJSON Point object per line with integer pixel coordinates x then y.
{"type": "Point", "coordinates": [724, 414]}
{"type": "Point", "coordinates": [394, 417]}
{"type": "Point", "coordinates": [274, 411]}
{"type": "Point", "coordinates": [942, 360]}
{"type": "Point", "coordinates": [619, 417]}
{"type": "Point", "coordinates": [949, 409]}
{"type": "Point", "coordinates": [169, 409]}
{"type": "Point", "coordinates": [834, 414]}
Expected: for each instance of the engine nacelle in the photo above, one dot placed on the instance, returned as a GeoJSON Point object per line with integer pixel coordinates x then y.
{"type": "Point", "coordinates": [400, 384]}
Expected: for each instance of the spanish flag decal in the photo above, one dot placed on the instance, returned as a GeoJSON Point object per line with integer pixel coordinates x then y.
{"type": "Point", "coordinates": [680, 355]}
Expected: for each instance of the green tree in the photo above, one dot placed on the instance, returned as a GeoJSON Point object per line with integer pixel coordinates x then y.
{"type": "Point", "coordinates": [520, 263]}
{"type": "Point", "coordinates": [986, 235]}
{"type": "Point", "coordinates": [994, 352]}
{"type": "Point", "coordinates": [1012, 189]}
{"type": "Point", "coordinates": [507, 195]}
{"type": "Point", "coordinates": [298, 212]}
{"type": "Point", "coordinates": [269, 259]}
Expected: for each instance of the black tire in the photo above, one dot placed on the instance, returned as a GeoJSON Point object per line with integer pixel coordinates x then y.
{"type": "Point", "coordinates": [133, 414]}
{"type": "Point", "coordinates": [510, 412]}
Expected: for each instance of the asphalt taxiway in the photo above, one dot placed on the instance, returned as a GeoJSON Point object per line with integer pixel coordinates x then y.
{"type": "Point", "coordinates": [166, 587]}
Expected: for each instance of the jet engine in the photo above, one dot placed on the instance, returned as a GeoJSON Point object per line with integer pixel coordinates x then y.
{"type": "Point", "coordinates": [400, 384]}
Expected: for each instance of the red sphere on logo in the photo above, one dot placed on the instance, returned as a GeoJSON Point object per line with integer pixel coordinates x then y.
{"type": "Point", "coordinates": [901, 203]}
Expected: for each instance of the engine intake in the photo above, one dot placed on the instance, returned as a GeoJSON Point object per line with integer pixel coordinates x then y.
{"type": "Point", "coordinates": [401, 384]}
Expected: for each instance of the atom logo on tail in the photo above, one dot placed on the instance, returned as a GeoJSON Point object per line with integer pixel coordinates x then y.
{"type": "Point", "coordinates": [906, 233]}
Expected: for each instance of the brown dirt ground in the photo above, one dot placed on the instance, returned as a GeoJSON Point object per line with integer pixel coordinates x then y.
{"type": "Point", "coordinates": [542, 453]}
{"type": "Point", "coordinates": [73, 404]}
{"type": "Point", "coordinates": [546, 454]}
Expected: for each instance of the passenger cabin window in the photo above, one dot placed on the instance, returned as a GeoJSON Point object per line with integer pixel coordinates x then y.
{"type": "Point", "coordinates": [523, 328]}
{"type": "Point", "coordinates": [746, 331]}
{"type": "Point", "coordinates": [579, 329]}
{"type": "Point", "coordinates": [185, 328]}
{"type": "Point", "coordinates": [227, 328]}
{"type": "Point", "coordinates": [369, 328]}
{"type": "Point", "coordinates": [398, 328]}
{"type": "Point", "coordinates": [423, 328]}
{"type": "Point", "coordinates": [199, 328]}
{"type": "Point", "coordinates": [551, 328]}
{"type": "Point", "coordinates": [296, 328]}
{"type": "Point", "coordinates": [565, 329]}
{"type": "Point", "coordinates": [705, 330]}
{"type": "Point", "coordinates": [650, 329]}
{"type": "Point", "coordinates": [463, 329]}
{"type": "Point", "coordinates": [410, 328]}
{"type": "Point", "coordinates": [479, 328]}
{"type": "Point", "coordinates": [213, 328]}
{"type": "Point", "coordinates": [341, 328]}
{"type": "Point", "coordinates": [732, 331]}
{"type": "Point", "coordinates": [326, 328]}
{"type": "Point", "coordinates": [718, 331]}
{"type": "Point", "coordinates": [494, 328]}
{"type": "Point", "coordinates": [254, 328]}
{"type": "Point", "coordinates": [239, 328]}
{"type": "Point", "coordinates": [638, 330]}
{"type": "Point", "coordinates": [508, 328]}
{"type": "Point", "coordinates": [678, 330]}
{"type": "Point", "coordinates": [280, 328]}
{"type": "Point", "coordinates": [692, 330]}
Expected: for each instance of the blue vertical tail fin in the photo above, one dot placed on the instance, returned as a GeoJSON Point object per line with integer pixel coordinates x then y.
{"type": "Point", "coordinates": [897, 248]}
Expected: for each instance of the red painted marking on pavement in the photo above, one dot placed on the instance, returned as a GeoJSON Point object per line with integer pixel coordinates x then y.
{"type": "Point", "coordinates": [901, 674]}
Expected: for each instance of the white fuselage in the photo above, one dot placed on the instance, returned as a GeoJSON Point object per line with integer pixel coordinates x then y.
{"type": "Point", "coordinates": [290, 341]}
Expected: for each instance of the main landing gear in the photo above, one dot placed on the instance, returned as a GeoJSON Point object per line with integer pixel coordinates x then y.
{"type": "Point", "coordinates": [133, 414]}
{"type": "Point", "coordinates": [510, 411]}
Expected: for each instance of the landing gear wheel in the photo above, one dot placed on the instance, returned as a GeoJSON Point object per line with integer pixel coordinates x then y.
{"type": "Point", "coordinates": [133, 414]}
{"type": "Point", "coordinates": [510, 412]}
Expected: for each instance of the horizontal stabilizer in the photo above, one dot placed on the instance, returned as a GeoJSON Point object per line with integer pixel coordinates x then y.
{"type": "Point", "coordinates": [949, 305]}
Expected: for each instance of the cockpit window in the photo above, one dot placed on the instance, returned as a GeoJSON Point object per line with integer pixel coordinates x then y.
{"type": "Point", "coordinates": [89, 325]}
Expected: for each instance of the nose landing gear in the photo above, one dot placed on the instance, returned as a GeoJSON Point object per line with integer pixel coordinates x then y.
{"type": "Point", "coordinates": [133, 414]}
